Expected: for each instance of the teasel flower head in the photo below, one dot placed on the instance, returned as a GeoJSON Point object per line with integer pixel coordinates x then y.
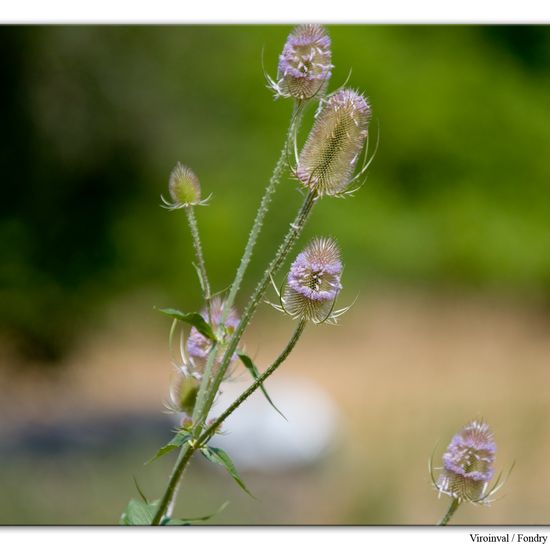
{"type": "Point", "coordinates": [332, 150]}
{"type": "Point", "coordinates": [313, 283]}
{"type": "Point", "coordinates": [184, 189]}
{"type": "Point", "coordinates": [304, 65]}
{"type": "Point", "coordinates": [199, 346]}
{"type": "Point", "coordinates": [468, 465]}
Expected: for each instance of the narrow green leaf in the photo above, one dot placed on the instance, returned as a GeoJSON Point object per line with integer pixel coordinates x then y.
{"type": "Point", "coordinates": [189, 521]}
{"type": "Point", "coordinates": [175, 443]}
{"type": "Point", "coordinates": [194, 319]}
{"type": "Point", "coordinates": [219, 456]}
{"type": "Point", "coordinates": [139, 513]}
{"type": "Point", "coordinates": [249, 364]}
{"type": "Point", "coordinates": [141, 493]}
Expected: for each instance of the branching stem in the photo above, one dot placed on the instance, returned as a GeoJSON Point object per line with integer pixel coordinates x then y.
{"type": "Point", "coordinates": [262, 210]}
{"type": "Point", "coordinates": [189, 449]}
{"type": "Point", "coordinates": [290, 239]}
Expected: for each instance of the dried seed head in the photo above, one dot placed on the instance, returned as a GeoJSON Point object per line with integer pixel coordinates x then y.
{"type": "Point", "coordinates": [329, 156]}
{"type": "Point", "coordinates": [184, 187]}
{"type": "Point", "coordinates": [304, 66]}
{"type": "Point", "coordinates": [468, 463]}
{"type": "Point", "coordinates": [313, 281]}
{"type": "Point", "coordinates": [198, 346]}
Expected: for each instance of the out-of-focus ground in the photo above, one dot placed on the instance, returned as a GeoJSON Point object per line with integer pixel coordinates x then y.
{"type": "Point", "coordinates": [406, 370]}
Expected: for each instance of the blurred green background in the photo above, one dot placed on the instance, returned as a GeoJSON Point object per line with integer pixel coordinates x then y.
{"type": "Point", "coordinates": [93, 120]}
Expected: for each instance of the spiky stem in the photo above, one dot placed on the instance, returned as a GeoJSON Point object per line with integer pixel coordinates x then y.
{"type": "Point", "coordinates": [253, 237]}
{"type": "Point", "coordinates": [290, 239]}
{"type": "Point", "coordinates": [207, 391]}
{"type": "Point", "coordinates": [201, 266]}
{"type": "Point", "coordinates": [188, 449]}
{"type": "Point", "coordinates": [263, 209]}
{"type": "Point", "coordinates": [251, 389]}
{"type": "Point", "coordinates": [177, 472]}
{"type": "Point", "coordinates": [452, 509]}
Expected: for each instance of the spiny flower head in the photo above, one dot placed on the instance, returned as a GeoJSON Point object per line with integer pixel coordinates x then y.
{"type": "Point", "coordinates": [329, 157]}
{"type": "Point", "coordinates": [184, 188]}
{"type": "Point", "coordinates": [198, 345]}
{"type": "Point", "coordinates": [313, 281]}
{"type": "Point", "coordinates": [468, 463]}
{"type": "Point", "coordinates": [305, 63]}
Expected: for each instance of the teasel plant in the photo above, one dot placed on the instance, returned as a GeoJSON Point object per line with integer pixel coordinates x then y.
{"type": "Point", "coordinates": [467, 469]}
{"type": "Point", "coordinates": [332, 161]}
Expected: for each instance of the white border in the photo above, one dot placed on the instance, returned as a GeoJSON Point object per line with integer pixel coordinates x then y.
{"type": "Point", "coordinates": [267, 538]}
{"type": "Point", "coordinates": [274, 11]}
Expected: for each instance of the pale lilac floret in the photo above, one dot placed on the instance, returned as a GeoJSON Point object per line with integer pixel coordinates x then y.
{"type": "Point", "coordinates": [300, 51]}
{"type": "Point", "coordinates": [305, 63]}
{"type": "Point", "coordinates": [307, 278]}
{"type": "Point", "coordinates": [468, 463]}
{"type": "Point", "coordinates": [198, 346]}
{"type": "Point", "coordinates": [313, 282]}
{"type": "Point", "coordinates": [466, 451]}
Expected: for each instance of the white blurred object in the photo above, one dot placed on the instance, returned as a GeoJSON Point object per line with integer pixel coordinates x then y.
{"type": "Point", "coordinates": [258, 438]}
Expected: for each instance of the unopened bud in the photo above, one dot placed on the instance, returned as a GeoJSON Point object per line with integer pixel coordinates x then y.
{"type": "Point", "coordinates": [184, 187]}
{"type": "Point", "coordinates": [183, 392]}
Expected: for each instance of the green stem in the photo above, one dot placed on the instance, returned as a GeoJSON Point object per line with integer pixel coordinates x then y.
{"type": "Point", "coordinates": [205, 382]}
{"type": "Point", "coordinates": [201, 266]}
{"type": "Point", "coordinates": [184, 454]}
{"type": "Point", "coordinates": [452, 509]}
{"type": "Point", "coordinates": [251, 389]}
{"type": "Point", "coordinates": [290, 239]}
{"type": "Point", "coordinates": [201, 411]}
{"type": "Point", "coordinates": [262, 210]}
{"type": "Point", "coordinates": [188, 450]}
{"type": "Point", "coordinates": [208, 392]}
{"type": "Point", "coordinates": [173, 483]}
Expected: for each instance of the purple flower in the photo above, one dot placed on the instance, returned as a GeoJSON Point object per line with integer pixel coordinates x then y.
{"type": "Point", "coordinates": [313, 281]}
{"type": "Point", "coordinates": [329, 157]}
{"type": "Point", "coordinates": [305, 64]}
{"type": "Point", "coordinates": [468, 463]}
{"type": "Point", "coordinates": [198, 346]}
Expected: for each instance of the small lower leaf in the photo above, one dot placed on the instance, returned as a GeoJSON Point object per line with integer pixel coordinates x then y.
{"type": "Point", "coordinates": [189, 521]}
{"type": "Point", "coordinates": [175, 443]}
{"type": "Point", "coordinates": [249, 364]}
{"type": "Point", "coordinates": [219, 456]}
{"type": "Point", "coordinates": [194, 319]}
{"type": "Point", "coordinates": [139, 513]}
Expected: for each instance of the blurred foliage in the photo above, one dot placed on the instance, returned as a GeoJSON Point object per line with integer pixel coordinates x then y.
{"type": "Point", "coordinates": [94, 118]}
